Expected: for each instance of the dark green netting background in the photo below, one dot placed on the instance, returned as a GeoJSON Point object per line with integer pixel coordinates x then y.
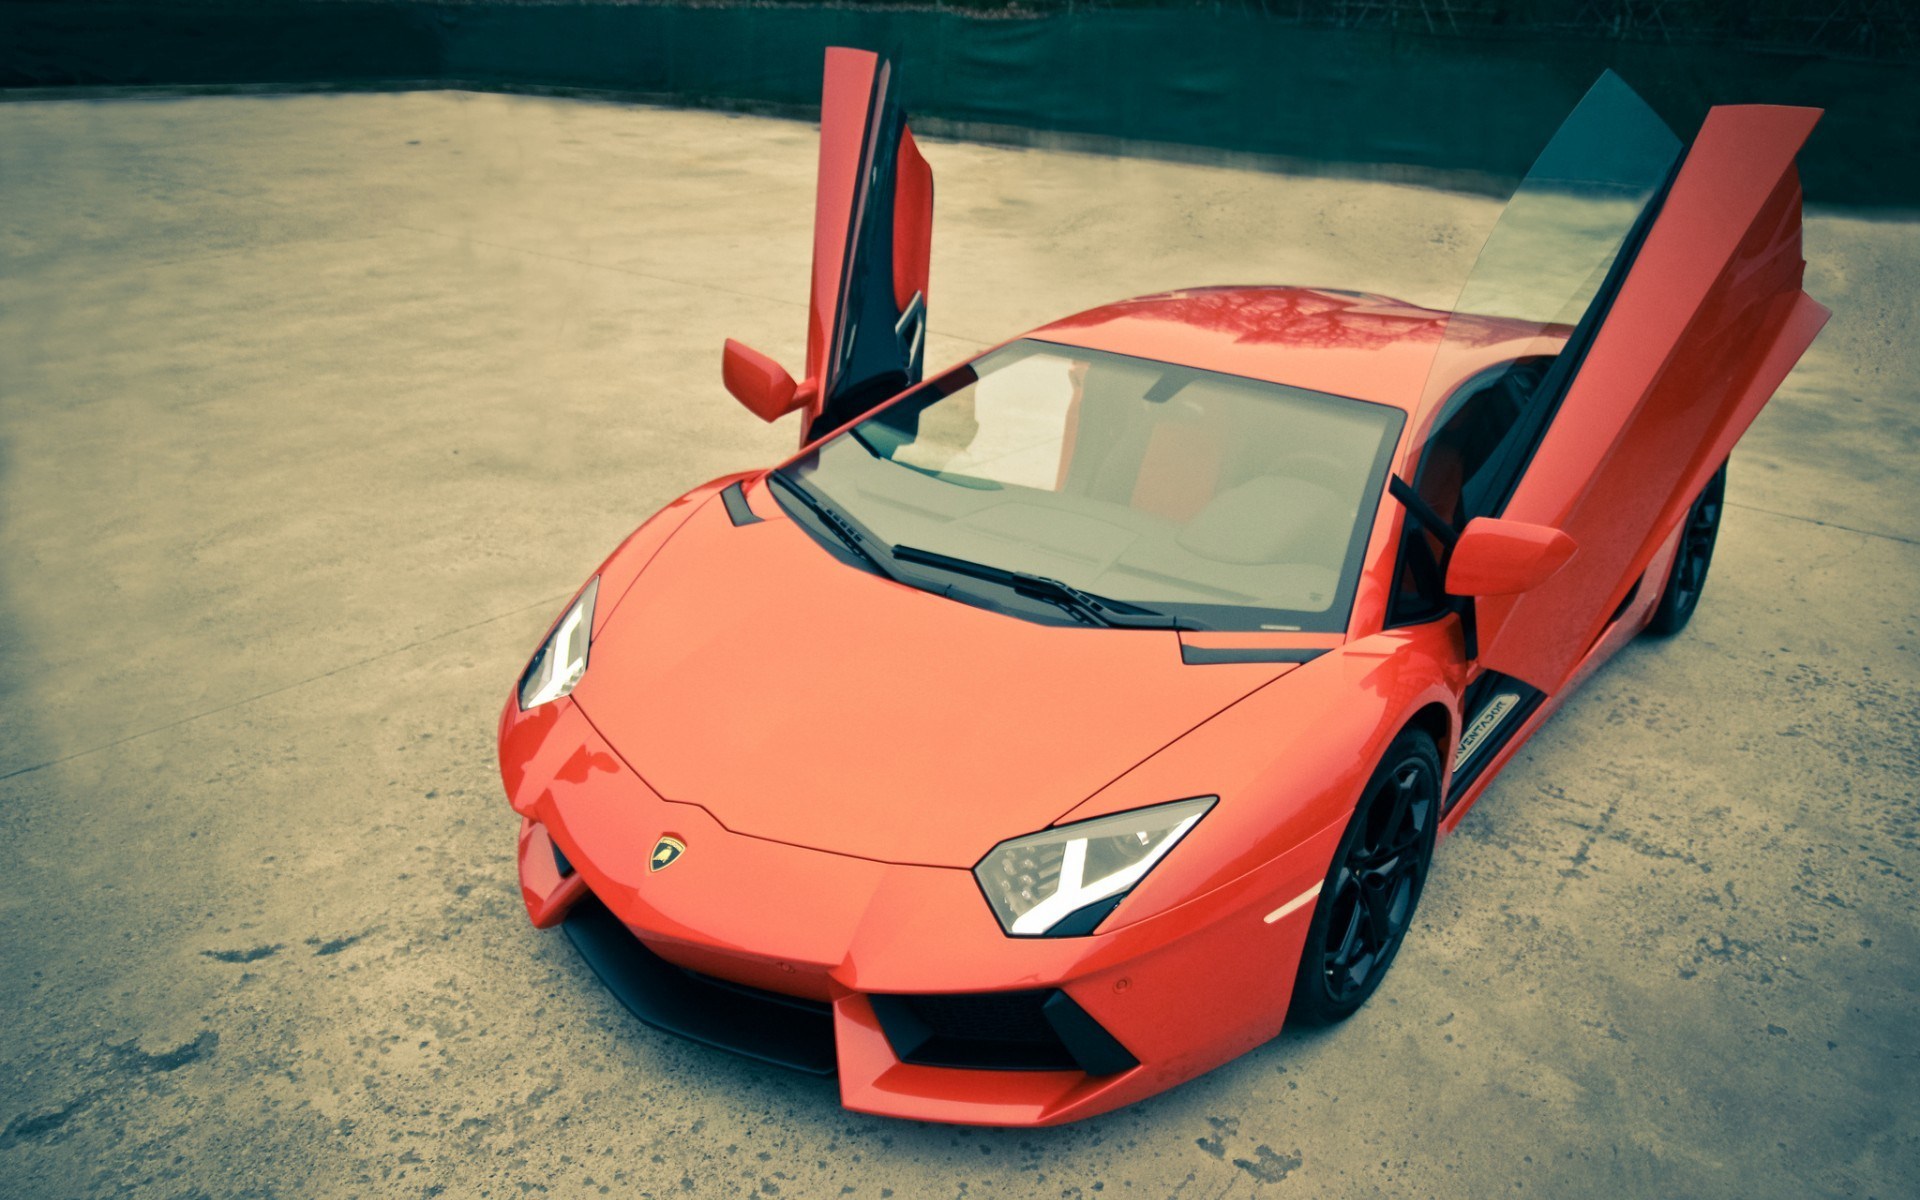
{"type": "Point", "coordinates": [1467, 101]}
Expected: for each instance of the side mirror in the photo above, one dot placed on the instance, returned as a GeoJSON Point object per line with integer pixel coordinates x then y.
{"type": "Point", "coordinates": [1502, 558]}
{"type": "Point", "coordinates": [759, 383]}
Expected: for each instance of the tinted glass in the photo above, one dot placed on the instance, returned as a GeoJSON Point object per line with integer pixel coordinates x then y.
{"type": "Point", "coordinates": [1549, 269]}
{"type": "Point", "coordinates": [1227, 501]}
{"type": "Point", "coordinates": [1549, 253]}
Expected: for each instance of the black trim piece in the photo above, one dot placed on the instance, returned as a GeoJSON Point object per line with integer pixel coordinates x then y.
{"type": "Point", "coordinates": [1429, 584]}
{"type": "Point", "coordinates": [761, 995]}
{"type": "Point", "coordinates": [1421, 511]}
{"type": "Point", "coordinates": [1082, 606]}
{"type": "Point", "coordinates": [559, 859]}
{"type": "Point", "coordinates": [1096, 1050]}
{"type": "Point", "coordinates": [1084, 920]}
{"type": "Point", "coordinates": [738, 510]}
{"type": "Point", "coordinates": [907, 1032]}
{"type": "Point", "coordinates": [782, 1030]}
{"type": "Point", "coordinates": [1195, 656]}
{"type": "Point", "coordinates": [837, 533]}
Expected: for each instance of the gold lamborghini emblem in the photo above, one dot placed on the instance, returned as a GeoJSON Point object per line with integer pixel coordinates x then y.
{"type": "Point", "coordinates": [666, 852]}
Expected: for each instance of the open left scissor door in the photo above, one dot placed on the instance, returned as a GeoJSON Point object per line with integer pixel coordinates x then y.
{"type": "Point", "coordinates": [872, 239]}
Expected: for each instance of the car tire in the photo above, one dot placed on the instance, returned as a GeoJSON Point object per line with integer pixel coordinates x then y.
{"type": "Point", "coordinates": [1371, 891]}
{"type": "Point", "coordinates": [1689, 574]}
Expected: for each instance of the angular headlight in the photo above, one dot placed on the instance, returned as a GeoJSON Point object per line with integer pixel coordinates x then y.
{"type": "Point", "coordinates": [1062, 882]}
{"type": "Point", "coordinates": [562, 659]}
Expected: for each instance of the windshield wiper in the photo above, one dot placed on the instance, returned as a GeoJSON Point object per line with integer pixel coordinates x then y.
{"type": "Point", "coordinates": [857, 538]}
{"type": "Point", "coordinates": [1085, 605]}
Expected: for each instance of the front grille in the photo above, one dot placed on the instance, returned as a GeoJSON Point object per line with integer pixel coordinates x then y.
{"type": "Point", "coordinates": [1000, 1031]}
{"type": "Point", "coordinates": [1012, 1017]}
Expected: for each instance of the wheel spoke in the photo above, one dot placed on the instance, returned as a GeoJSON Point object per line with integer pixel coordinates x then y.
{"type": "Point", "coordinates": [1379, 906]}
{"type": "Point", "coordinates": [1385, 830]}
{"type": "Point", "coordinates": [1357, 973]}
{"type": "Point", "coordinates": [1380, 872]}
{"type": "Point", "coordinates": [1404, 786]}
{"type": "Point", "coordinates": [1410, 811]}
{"type": "Point", "coordinates": [1696, 550]}
{"type": "Point", "coordinates": [1351, 942]}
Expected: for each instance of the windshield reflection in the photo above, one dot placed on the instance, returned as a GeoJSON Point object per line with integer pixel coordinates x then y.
{"type": "Point", "coordinates": [1223, 501]}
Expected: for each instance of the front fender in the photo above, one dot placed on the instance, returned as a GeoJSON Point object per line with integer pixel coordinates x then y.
{"type": "Point", "coordinates": [630, 557]}
{"type": "Point", "coordinates": [617, 573]}
{"type": "Point", "coordinates": [1288, 763]}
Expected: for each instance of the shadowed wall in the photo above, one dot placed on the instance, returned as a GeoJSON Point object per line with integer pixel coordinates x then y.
{"type": "Point", "coordinates": [1459, 105]}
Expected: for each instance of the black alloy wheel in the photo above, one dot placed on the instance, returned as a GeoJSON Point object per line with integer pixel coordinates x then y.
{"type": "Point", "coordinates": [1689, 575]}
{"type": "Point", "coordinates": [1366, 904]}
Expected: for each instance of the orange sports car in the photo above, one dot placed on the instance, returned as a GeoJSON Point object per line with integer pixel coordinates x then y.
{"type": "Point", "coordinates": [1047, 732]}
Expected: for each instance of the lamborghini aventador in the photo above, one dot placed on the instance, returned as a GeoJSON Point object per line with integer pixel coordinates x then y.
{"type": "Point", "coordinates": [1051, 730]}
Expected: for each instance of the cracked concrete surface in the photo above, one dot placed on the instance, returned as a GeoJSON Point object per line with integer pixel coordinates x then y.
{"type": "Point", "coordinates": [313, 409]}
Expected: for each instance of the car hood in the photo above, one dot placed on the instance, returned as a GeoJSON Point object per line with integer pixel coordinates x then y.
{"type": "Point", "coordinates": [803, 700]}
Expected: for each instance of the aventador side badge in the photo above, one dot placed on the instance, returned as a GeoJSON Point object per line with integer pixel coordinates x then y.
{"type": "Point", "coordinates": [1489, 720]}
{"type": "Point", "coordinates": [666, 852]}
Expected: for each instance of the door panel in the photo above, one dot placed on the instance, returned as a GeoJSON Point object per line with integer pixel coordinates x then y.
{"type": "Point", "coordinates": [872, 240]}
{"type": "Point", "coordinates": [1706, 323]}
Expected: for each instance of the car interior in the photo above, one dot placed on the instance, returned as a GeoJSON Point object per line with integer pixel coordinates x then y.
{"type": "Point", "coordinates": [1461, 476]}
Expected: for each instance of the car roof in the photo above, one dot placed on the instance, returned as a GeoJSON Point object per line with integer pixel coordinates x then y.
{"type": "Point", "coordinates": [1354, 344]}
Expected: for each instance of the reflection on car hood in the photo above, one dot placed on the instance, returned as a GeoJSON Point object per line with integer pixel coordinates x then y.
{"type": "Point", "coordinates": [800, 699]}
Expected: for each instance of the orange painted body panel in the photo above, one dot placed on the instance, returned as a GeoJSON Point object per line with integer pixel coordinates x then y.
{"type": "Point", "coordinates": [839, 926]}
{"type": "Point", "coordinates": [844, 95]}
{"type": "Point", "coordinates": [1498, 558]}
{"type": "Point", "coordinates": [912, 223]}
{"type": "Point", "coordinates": [1611, 641]}
{"type": "Point", "coordinates": [835, 751]}
{"type": "Point", "coordinates": [758, 382]}
{"type": "Point", "coordinates": [835, 927]}
{"type": "Point", "coordinates": [951, 725]}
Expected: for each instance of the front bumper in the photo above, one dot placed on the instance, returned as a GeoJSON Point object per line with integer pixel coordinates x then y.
{"type": "Point", "coordinates": [795, 955]}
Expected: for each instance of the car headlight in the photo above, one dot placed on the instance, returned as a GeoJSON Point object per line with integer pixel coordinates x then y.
{"type": "Point", "coordinates": [562, 659]}
{"type": "Point", "coordinates": [1063, 882]}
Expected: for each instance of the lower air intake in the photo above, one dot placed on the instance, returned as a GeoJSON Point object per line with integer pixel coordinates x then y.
{"type": "Point", "coordinates": [1040, 1030]}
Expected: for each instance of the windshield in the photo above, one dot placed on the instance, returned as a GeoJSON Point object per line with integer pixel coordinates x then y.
{"type": "Point", "coordinates": [1226, 502]}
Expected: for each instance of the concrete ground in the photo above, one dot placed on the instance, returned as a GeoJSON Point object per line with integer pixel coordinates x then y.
{"type": "Point", "coordinates": [314, 409]}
